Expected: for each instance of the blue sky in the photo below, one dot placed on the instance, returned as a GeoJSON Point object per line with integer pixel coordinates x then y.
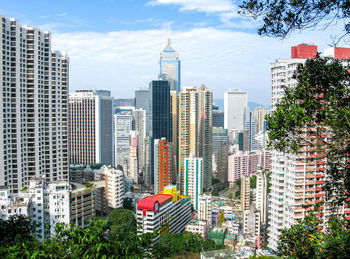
{"type": "Point", "coordinates": [115, 44]}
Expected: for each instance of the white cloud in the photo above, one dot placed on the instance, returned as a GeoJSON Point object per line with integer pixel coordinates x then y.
{"type": "Point", "coordinates": [125, 60]}
{"type": "Point", "coordinates": [208, 6]}
{"type": "Point", "coordinates": [224, 9]}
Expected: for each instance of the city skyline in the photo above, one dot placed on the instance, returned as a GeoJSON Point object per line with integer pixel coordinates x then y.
{"type": "Point", "coordinates": [217, 48]}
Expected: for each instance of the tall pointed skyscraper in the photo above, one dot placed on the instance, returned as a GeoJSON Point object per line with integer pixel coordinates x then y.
{"type": "Point", "coordinates": [169, 65]}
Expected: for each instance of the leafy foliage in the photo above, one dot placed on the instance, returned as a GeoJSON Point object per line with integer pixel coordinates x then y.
{"type": "Point", "coordinates": [316, 113]}
{"type": "Point", "coordinates": [281, 17]}
{"type": "Point", "coordinates": [215, 193]}
{"type": "Point", "coordinates": [18, 240]}
{"type": "Point", "coordinates": [120, 223]}
{"type": "Point", "coordinates": [253, 182]}
{"type": "Point", "coordinates": [308, 240]}
{"type": "Point", "coordinates": [172, 244]}
{"type": "Point", "coordinates": [127, 204]}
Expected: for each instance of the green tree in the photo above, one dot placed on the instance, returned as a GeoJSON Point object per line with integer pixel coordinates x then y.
{"type": "Point", "coordinates": [238, 194]}
{"type": "Point", "coordinates": [120, 223]}
{"type": "Point", "coordinates": [127, 204]}
{"type": "Point", "coordinates": [17, 228]}
{"type": "Point", "coordinates": [302, 240]}
{"type": "Point", "coordinates": [215, 193]}
{"type": "Point", "coordinates": [174, 244]}
{"type": "Point", "coordinates": [230, 195]}
{"type": "Point", "coordinates": [316, 113]}
{"type": "Point", "coordinates": [253, 182]}
{"type": "Point", "coordinates": [281, 17]}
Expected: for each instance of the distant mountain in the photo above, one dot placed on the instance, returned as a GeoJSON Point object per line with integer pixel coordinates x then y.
{"type": "Point", "coordinates": [251, 105]}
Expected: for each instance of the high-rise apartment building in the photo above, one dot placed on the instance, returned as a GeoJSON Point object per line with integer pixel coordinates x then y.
{"type": "Point", "coordinates": [147, 161]}
{"type": "Point", "coordinates": [205, 123]}
{"type": "Point", "coordinates": [170, 67]}
{"type": "Point", "coordinates": [261, 195]}
{"type": "Point", "coordinates": [283, 176]}
{"type": "Point", "coordinates": [139, 116]}
{"type": "Point", "coordinates": [235, 103]}
{"type": "Point", "coordinates": [296, 179]}
{"type": "Point", "coordinates": [194, 178]}
{"type": "Point", "coordinates": [114, 186]}
{"type": "Point", "coordinates": [91, 127]}
{"type": "Point", "coordinates": [222, 163]}
{"type": "Point", "coordinates": [163, 164]}
{"type": "Point", "coordinates": [245, 193]}
{"type": "Point", "coordinates": [34, 107]}
{"type": "Point", "coordinates": [122, 128]}
{"type": "Point", "coordinates": [174, 108]}
{"type": "Point", "coordinates": [259, 114]}
{"type": "Point", "coordinates": [133, 171]}
{"type": "Point", "coordinates": [188, 129]}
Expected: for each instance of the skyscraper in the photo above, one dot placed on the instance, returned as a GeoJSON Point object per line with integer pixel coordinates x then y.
{"type": "Point", "coordinates": [159, 115]}
{"type": "Point", "coordinates": [249, 126]}
{"type": "Point", "coordinates": [160, 109]}
{"type": "Point", "coordinates": [288, 174]}
{"type": "Point", "coordinates": [188, 128]}
{"type": "Point", "coordinates": [193, 178]}
{"type": "Point", "coordinates": [174, 108]}
{"type": "Point", "coordinates": [91, 127]}
{"type": "Point", "coordinates": [140, 129]}
{"type": "Point", "coordinates": [34, 107]}
{"type": "Point", "coordinates": [162, 164]}
{"type": "Point", "coordinates": [205, 123]}
{"type": "Point", "coordinates": [259, 114]}
{"type": "Point", "coordinates": [170, 68]}
{"type": "Point", "coordinates": [235, 102]}
{"type": "Point", "coordinates": [142, 101]}
{"type": "Point", "coordinates": [122, 128]}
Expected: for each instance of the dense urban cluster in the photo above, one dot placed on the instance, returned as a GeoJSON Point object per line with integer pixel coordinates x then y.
{"type": "Point", "coordinates": [169, 171]}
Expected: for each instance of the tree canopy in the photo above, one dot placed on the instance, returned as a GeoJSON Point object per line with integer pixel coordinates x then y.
{"type": "Point", "coordinates": [121, 222]}
{"type": "Point", "coordinates": [316, 114]}
{"type": "Point", "coordinates": [18, 240]}
{"type": "Point", "coordinates": [172, 244]}
{"type": "Point", "coordinates": [281, 17]}
{"type": "Point", "coordinates": [307, 240]}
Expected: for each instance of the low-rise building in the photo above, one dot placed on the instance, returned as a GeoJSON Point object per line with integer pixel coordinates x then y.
{"type": "Point", "coordinates": [45, 202]}
{"type": "Point", "coordinates": [82, 205]}
{"type": "Point", "coordinates": [200, 227]}
{"type": "Point", "coordinates": [166, 212]}
{"type": "Point", "coordinates": [114, 186]}
{"type": "Point", "coordinates": [10, 206]}
{"type": "Point", "coordinates": [205, 208]}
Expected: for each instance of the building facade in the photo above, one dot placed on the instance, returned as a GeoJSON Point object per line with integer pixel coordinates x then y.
{"type": "Point", "coordinates": [194, 178]}
{"type": "Point", "coordinates": [170, 67]}
{"type": "Point", "coordinates": [163, 164]}
{"type": "Point", "coordinates": [205, 124]}
{"type": "Point", "coordinates": [166, 212]}
{"type": "Point", "coordinates": [34, 107]}
{"type": "Point", "coordinates": [122, 128]}
{"type": "Point", "coordinates": [235, 103]}
{"type": "Point", "coordinates": [188, 129]}
{"type": "Point", "coordinates": [91, 127]}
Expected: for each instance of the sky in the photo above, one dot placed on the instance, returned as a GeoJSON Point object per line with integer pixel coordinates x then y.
{"type": "Point", "coordinates": [115, 44]}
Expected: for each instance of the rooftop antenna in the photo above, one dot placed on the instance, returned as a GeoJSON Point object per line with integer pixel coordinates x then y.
{"type": "Point", "coordinates": [169, 42]}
